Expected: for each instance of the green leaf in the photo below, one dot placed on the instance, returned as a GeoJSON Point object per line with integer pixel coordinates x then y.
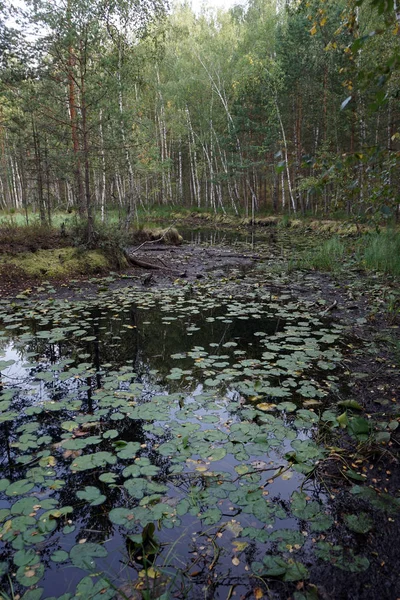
{"type": "Point", "coordinates": [4, 483]}
{"type": "Point", "coordinates": [276, 566]}
{"type": "Point", "coordinates": [361, 523]}
{"type": "Point", "coordinates": [25, 557]}
{"type": "Point", "coordinates": [380, 500]}
{"type": "Point", "coordinates": [216, 454]}
{"type": "Point", "coordinates": [19, 488]}
{"type": "Point", "coordinates": [343, 559]}
{"type": "Point", "coordinates": [59, 556]}
{"type": "Point", "coordinates": [129, 451]}
{"type": "Point", "coordinates": [350, 404]}
{"type": "Point", "coordinates": [88, 590]}
{"type": "Point", "coordinates": [122, 516]}
{"type": "Point", "coordinates": [110, 434]}
{"type": "Point", "coordinates": [92, 495]}
{"type": "Point", "coordinates": [211, 516]}
{"type": "Point", "coordinates": [83, 555]}
{"type": "Point", "coordinates": [359, 428]}
{"type": "Point", "coordinates": [93, 461]}
{"type": "Point", "coordinates": [108, 477]}
{"type": "Point", "coordinates": [33, 594]}
{"type": "Point", "coordinates": [30, 574]}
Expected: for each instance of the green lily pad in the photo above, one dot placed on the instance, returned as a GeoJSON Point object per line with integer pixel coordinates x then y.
{"type": "Point", "coordinates": [93, 461]}
{"type": "Point", "coordinates": [59, 556]}
{"type": "Point", "coordinates": [30, 574]}
{"type": "Point", "coordinates": [92, 495]}
{"type": "Point", "coordinates": [360, 523]}
{"type": "Point", "coordinates": [83, 555]}
{"type": "Point", "coordinates": [19, 488]}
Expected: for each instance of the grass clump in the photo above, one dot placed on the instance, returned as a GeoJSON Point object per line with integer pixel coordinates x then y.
{"type": "Point", "coordinates": [381, 252]}
{"type": "Point", "coordinates": [326, 257]}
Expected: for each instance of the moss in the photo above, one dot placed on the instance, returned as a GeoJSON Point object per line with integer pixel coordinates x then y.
{"type": "Point", "coordinates": [57, 263]}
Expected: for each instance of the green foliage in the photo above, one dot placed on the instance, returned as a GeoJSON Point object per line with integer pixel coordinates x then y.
{"type": "Point", "coordinates": [381, 252]}
{"type": "Point", "coordinates": [326, 257]}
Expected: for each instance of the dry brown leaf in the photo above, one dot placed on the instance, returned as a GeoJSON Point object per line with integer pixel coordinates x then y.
{"type": "Point", "coordinates": [30, 573]}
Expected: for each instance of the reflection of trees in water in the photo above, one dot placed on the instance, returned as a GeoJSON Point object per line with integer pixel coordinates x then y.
{"type": "Point", "coordinates": [142, 338]}
{"type": "Point", "coordinates": [139, 339]}
{"type": "Point", "coordinates": [92, 522]}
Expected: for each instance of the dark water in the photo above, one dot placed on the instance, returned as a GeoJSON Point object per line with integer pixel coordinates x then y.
{"type": "Point", "coordinates": [184, 390]}
{"type": "Point", "coordinates": [217, 235]}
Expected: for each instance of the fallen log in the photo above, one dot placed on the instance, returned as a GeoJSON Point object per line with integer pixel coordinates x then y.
{"type": "Point", "coordinates": [139, 263]}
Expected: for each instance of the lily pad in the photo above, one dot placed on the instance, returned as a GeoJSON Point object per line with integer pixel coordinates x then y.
{"type": "Point", "coordinates": [83, 555]}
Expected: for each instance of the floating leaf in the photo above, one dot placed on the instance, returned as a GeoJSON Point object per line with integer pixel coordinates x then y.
{"type": "Point", "coordinates": [93, 461]}
{"type": "Point", "coordinates": [343, 559]}
{"type": "Point", "coordinates": [30, 574]}
{"type": "Point", "coordinates": [360, 523]}
{"type": "Point", "coordinates": [276, 566]}
{"type": "Point", "coordinates": [19, 488]}
{"type": "Point", "coordinates": [25, 557]}
{"type": "Point", "coordinates": [92, 495]}
{"type": "Point", "coordinates": [59, 556]}
{"type": "Point", "coordinates": [122, 516]}
{"type": "Point", "coordinates": [83, 555]}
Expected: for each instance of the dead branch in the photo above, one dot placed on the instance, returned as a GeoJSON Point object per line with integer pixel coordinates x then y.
{"type": "Point", "coordinates": [154, 241]}
{"type": "Point", "coordinates": [331, 307]}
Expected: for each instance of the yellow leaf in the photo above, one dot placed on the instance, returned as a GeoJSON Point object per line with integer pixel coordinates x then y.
{"type": "Point", "coordinates": [30, 573]}
{"type": "Point", "coordinates": [7, 526]}
{"type": "Point", "coordinates": [239, 546]}
{"type": "Point", "coordinates": [151, 573]}
{"type": "Point", "coordinates": [266, 406]}
{"type": "Point", "coordinates": [258, 593]}
{"type": "Point", "coordinates": [322, 22]}
{"type": "Point", "coordinates": [313, 29]}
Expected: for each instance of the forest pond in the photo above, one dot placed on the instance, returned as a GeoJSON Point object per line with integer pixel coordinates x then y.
{"type": "Point", "coordinates": [161, 444]}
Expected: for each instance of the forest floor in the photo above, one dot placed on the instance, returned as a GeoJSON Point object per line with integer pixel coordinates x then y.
{"type": "Point", "coordinates": [371, 362]}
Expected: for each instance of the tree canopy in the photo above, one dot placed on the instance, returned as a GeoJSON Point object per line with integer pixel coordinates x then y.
{"type": "Point", "coordinates": [277, 106]}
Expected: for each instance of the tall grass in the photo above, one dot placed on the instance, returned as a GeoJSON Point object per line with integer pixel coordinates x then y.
{"type": "Point", "coordinates": [381, 252]}
{"type": "Point", "coordinates": [326, 257]}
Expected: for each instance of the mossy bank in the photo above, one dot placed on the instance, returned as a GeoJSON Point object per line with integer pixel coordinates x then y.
{"type": "Point", "coordinates": [56, 263]}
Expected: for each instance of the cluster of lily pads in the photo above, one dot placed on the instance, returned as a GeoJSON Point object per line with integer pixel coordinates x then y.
{"type": "Point", "coordinates": [193, 413]}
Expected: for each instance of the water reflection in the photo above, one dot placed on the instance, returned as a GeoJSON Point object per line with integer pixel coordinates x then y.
{"type": "Point", "coordinates": [128, 384]}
